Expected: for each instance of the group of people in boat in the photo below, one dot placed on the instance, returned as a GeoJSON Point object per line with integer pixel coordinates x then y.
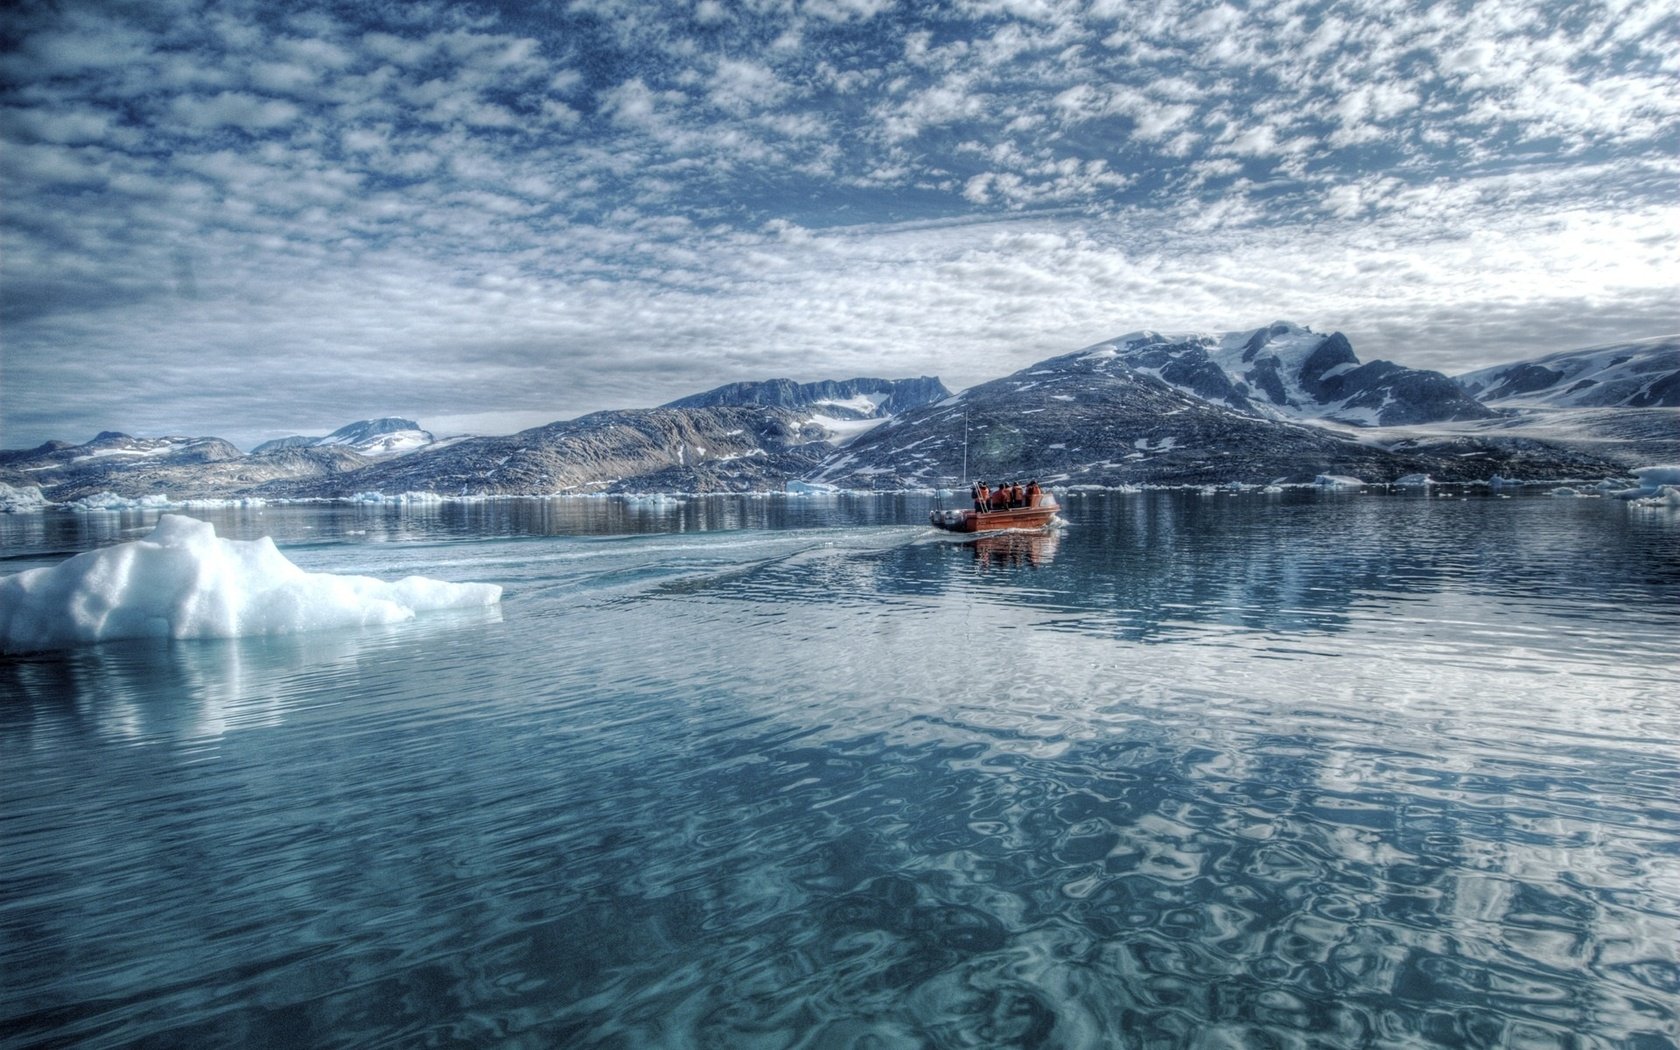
{"type": "Point", "coordinates": [1007, 496]}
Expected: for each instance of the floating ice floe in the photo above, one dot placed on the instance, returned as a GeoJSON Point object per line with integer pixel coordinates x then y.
{"type": "Point", "coordinates": [183, 581]}
{"type": "Point", "coordinates": [1656, 484]}
{"type": "Point", "coordinates": [408, 499]}
{"type": "Point", "coordinates": [1338, 481]}
{"type": "Point", "coordinates": [811, 488]}
{"type": "Point", "coordinates": [100, 501]}
{"type": "Point", "coordinates": [1413, 481]}
{"type": "Point", "coordinates": [14, 500]}
{"type": "Point", "coordinates": [1665, 496]}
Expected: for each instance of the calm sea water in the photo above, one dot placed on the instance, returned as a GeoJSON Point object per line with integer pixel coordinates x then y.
{"type": "Point", "coordinates": [1207, 771]}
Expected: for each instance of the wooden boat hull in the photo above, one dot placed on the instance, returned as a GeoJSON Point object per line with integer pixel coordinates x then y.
{"type": "Point", "coordinates": [1035, 517]}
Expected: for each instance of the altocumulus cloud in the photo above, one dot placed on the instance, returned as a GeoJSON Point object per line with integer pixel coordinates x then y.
{"type": "Point", "coordinates": [251, 219]}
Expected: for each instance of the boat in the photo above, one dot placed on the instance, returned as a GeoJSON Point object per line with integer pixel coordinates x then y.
{"type": "Point", "coordinates": [1036, 514]}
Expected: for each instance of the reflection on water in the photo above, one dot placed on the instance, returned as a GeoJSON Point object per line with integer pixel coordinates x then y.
{"type": "Point", "coordinates": [1033, 549]}
{"type": "Point", "coordinates": [146, 690]}
{"type": "Point", "coordinates": [1193, 771]}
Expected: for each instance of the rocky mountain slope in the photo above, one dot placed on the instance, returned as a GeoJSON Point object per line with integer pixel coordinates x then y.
{"type": "Point", "coordinates": [388, 436]}
{"type": "Point", "coordinates": [180, 467]}
{"type": "Point", "coordinates": [1644, 374]}
{"type": "Point", "coordinates": [1285, 371]}
{"type": "Point", "coordinates": [647, 450]}
{"type": "Point", "coordinates": [1090, 417]}
{"type": "Point", "coordinates": [862, 398]}
{"type": "Point", "coordinates": [1276, 404]}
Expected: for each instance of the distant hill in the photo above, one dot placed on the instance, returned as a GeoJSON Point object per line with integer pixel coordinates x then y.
{"type": "Point", "coordinates": [1281, 403]}
{"type": "Point", "coordinates": [1285, 371]}
{"type": "Point", "coordinates": [1643, 374]}
{"type": "Point", "coordinates": [730, 448]}
{"type": "Point", "coordinates": [841, 399]}
{"type": "Point", "coordinates": [388, 436]}
{"type": "Point", "coordinates": [181, 467]}
{"type": "Point", "coordinates": [1091, 417]}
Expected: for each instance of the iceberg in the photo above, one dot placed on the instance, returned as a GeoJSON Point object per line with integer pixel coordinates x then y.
{"type": "Point", "coordinates": [1665, 496]}
{"type": "Point", "coordinates": [183, 581]}
{"type": "Point", "coordinates": [108, 500]}
{"type": "Point", "coordinates": [410, 498]}
{"type": "Point", "coordinates": [1337, 481]}
{"type": "Point", "coordinates": [1652, 483]}
{"type": "Point", "coordinates": [15, 500]}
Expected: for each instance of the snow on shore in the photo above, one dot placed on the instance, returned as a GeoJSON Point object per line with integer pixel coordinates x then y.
{"type": "Point", "coordinates": [183, 581]}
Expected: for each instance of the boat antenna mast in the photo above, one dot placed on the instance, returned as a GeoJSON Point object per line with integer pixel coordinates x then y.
{"type": "Point", "coordinates": [965, 448]}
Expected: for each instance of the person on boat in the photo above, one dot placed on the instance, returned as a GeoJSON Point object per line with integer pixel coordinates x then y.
{"type": "Point", "coordinates": [1033, 492]}
{"type": "Point", "coordinates": [982, 496]}
{"type": "Point", "coordinates": [1000, 498]}
{"type": "Point", "coordinates": [1017, 495]}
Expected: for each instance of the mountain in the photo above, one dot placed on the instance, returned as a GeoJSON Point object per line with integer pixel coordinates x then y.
{"type": "Point", "coordinates": [848, 399]}
{"type": "Point", "coordinates": [724, 449]}
{"type": "Point", "coordinates": [388, 436]}
{"type": "Point", "coordinates": [181, 467]}
{"type": "Point", "coordinates": [111, 448]}
{"type": "Point", "coordinates": [1091, 417]}
{"type": "Point", "coordinates": [1275, 404]}
{"type": "Point", "coordinates": [1643, 374]}
{"type": "Point", "coordinates": [1285, 371]}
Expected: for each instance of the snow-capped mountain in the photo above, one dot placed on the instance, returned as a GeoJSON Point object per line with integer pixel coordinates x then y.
{"type": "Point", "coordinates": [388, 436]}
{"type": "Point", "coordinates": [113, 449]}
{"type": "Point", "coordinates": [1643, 374]}
{"type": "Point", "coordinates": [178, 466]}
{"type": "Point", "coordinates": [722, 449]}
{"type": "Point", "coordinates": [846, 399]}
{"type": "Point", "coordinates": [1091, 417]}
{"type": "Point", "coordinates": [1142, 409]}
{"type": "Point", "coordinates": [1286, 371]}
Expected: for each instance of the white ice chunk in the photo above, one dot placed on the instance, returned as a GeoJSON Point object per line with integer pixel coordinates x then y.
{"type": "Point", "coordinates": [1414, 481]}
{"type": "Point", "coordinates": [404, 498]}
{"type": "Point", "coordinates": [1337, 481]}
{"type": "Point", "coordinates": [1652, 477]}
{"type": "Point", "coordinates": [183, 581]}
{"type": "Point", "coordinates": [1665, 496]}
{"type": "Point", "coordinates": [111, 501]}
{"type": "Point", "coordinates": [1652, 480]}
{"type": "Point", "coordinates": [15, 500]}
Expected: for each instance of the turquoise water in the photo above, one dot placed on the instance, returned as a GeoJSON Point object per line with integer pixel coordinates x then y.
{"type": "Point", "coordinates": [1215, 771]}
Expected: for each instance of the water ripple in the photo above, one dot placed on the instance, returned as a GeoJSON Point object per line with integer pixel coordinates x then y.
{"type": "Point", "coordinates": [1197, 773]}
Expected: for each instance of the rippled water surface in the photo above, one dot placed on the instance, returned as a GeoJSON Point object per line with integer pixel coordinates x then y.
{"type": "Point", "coordinates": [1227, 771]}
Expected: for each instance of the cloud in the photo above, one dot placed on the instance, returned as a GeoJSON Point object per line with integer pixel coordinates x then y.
{"type": "Point", "coordinates": [233, 109]}
{"type": "Point", "coordinates": [468, 213]}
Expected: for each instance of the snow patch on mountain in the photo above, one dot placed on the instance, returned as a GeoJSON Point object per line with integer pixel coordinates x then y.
{"type": "Point", "coordinates": [1289, 372]}
{"type": "Point", "coordinates": [861, 398]}
{"type": "Point", "coordinates": [1643, 374]}
{"type": "Point", "coordinates": [374, 438]}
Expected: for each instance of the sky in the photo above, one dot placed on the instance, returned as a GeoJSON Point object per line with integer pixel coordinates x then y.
{"type": "Point", "coordinates": [250, 220]}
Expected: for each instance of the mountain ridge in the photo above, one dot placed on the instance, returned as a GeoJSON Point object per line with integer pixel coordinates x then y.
{"type": "Point", "coordinates": [1258, 405]}
{"type": "Point", "coordinates": [859, 398]}
{"type": "Point", "coordinates": [1644, 373]}
{"type": "Point", "coordinates": [1287, 371]}
{"type": "Point", "coordinates": [381, 436]}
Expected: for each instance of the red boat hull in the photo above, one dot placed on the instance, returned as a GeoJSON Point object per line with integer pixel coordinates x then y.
{"type": "Point", "coordinates": [1034, 517]}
